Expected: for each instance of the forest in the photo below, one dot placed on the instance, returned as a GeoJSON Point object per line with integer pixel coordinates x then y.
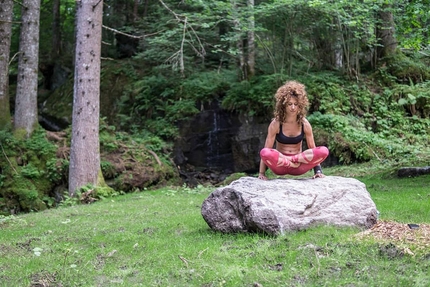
{"type": "Point", "coordinates": [157, 64]}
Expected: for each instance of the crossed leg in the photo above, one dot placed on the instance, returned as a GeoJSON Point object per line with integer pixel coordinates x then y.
{"type": "Point", "coordinates": [297, 164]}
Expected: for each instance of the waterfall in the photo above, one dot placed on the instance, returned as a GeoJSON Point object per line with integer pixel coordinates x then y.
{"type": "Point", "coordinates": [213, 144]}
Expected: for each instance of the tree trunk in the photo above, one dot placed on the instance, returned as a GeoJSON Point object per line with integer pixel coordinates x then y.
{"type": "Point", "coordinates": [6, 11]}
{"type": "Point", "coordinates": [84, 150]}
{"type": "Point", "coordinates": [56, 30]}
{"type": "Point", "coordinates": [135, 9]}
{"type": "Point", "coordinates": [239, 41]}
{"type": "Point", "coordinates": [251, 40]}
{"type": "Point", "coordinates": [26, 118]}
{"type": "Point", "coordinates": [145, 9]}
{"type": "Point", "coordinates": [385, 33]}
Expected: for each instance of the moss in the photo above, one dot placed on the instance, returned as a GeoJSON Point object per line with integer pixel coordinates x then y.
{"type": "Point", "coordinates": [103, 190]}
{"type": "Point", "coordinates": [407, 69]}
{"type": "Point", "coordinates": [24, 178]}
{"type": "Point", "coordinates": [5, 123]}
{"type": "Point", "coordinates": [20, 134]}
{"type": "Point", "coordinates": [233, 177]}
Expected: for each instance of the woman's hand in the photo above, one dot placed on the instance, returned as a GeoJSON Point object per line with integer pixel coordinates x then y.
{"type": "Point", "coordinates": [318, 174]}
{"type": "Point", "coordinates": [262, 176]}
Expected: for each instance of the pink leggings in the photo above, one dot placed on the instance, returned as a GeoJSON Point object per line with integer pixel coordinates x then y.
{"type": "Point", "coordinates": [270, 158]}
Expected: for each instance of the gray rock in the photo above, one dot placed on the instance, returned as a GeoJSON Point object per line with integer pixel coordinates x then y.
{"type": "Point", "coordinates": [281, 205]}
{"type": "Point", "coordinates": [413, 171]}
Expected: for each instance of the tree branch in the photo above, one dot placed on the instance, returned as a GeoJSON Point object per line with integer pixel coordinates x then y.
{"type": "Point", "coordinates": [122, 33]}
{"type": "Point", "coordinates": [180, 54]}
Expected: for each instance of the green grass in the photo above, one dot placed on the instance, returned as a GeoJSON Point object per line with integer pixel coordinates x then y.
{"type": "Point", "coordinates": [159, 238]}
{"type": "Point", "coordinates": [403, 200]}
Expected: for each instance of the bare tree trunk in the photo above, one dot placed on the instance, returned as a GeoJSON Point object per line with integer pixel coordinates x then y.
{"type": "Point", "coordinates": [385, 33]}
{"type": "Point", "coordinates": [6, 11]}
{"type": "Point", "coordinates": [145, 10]}
{"type": "Point", "coordinates": [84, 150]}
{"type": "Point", "coordinates": [135, 14]}
{"type": "Point", "coordinates": [26, 118]}
{"type": "Point", "coordinates": [242, 62]}
{"type": "Point", "coordinates": [251, 40]}
{"type": "Point", "coordinates": [239, 41]}
{"type": "Point", "coordinates": [56, 31]}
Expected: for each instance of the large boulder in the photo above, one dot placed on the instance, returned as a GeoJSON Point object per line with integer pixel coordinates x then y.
{"type": "Point", "coordinates": [281, 205]}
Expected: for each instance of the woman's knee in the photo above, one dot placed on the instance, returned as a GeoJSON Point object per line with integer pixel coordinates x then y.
{"type": "Point", "coordinates": [266, 153]}
{"type": "Point", "coordinates": [321, 151]}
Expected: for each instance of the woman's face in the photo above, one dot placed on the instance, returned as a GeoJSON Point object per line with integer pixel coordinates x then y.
{"type": "Point", "coordinates": [292, 105]}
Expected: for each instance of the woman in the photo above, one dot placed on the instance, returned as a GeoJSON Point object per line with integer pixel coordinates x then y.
{"type": "Point", "coordinates": [288, 129]}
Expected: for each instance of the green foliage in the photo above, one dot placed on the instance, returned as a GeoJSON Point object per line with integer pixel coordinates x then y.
{"type": "Point", "coordinates": [350, 140]}
{"type": "Point", "coordinates": [105, 192]}
{"type": "Point", "coordinates": [56, 170]}
{"type": "Point", "coordinates": [327, 93]}
{"type": "Point", "coordinates": [90, 193]}
{"type": "Point", "coordinates": [70, 200]}
{"type": "Point", "coordinates": [415, 98]}
{"type": "Point", "coordinates": [254, 97]}
{"type": "Point", "coordinates": [207, 86]}
{"type": "Point", "coordinates": [155, 102]}
{"type": "Point", "coordinates": [407, 68]}
{"type": "Point", "coordinates": [30, 171]}
{"type": "Point", "coordinates": [160, 102]}
{"type": "Point", "coordinates": [108, 169]}
{"type": "Point", "coordinates": [412, 24]}
{"type": "Point", "coordinates": [24, 165]}
{"type": "Point", "coordinates": [232, 177]}
{"type": "Point", "coordinates": [134, 161]}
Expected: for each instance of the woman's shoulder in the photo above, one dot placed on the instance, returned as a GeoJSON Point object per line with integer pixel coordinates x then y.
{"type": "Point", "coordinates": [306, 124]}
{"type": "Point", "coordinates": [275, 122]}
{"type": "Point", "coordinates": [274, 125]}
{"type": "Point", "coordinates": [305, 121]}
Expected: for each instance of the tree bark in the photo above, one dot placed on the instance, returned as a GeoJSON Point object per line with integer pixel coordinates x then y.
{"type": "Point", "coordinates": [251, 40]}
{"type": "Point", "coordinates": [6, 11]}
{"type": "Point", "coordinates": [239, 42]}
{"type": "Point", "coordinates": [145, 10]}
{"type": "Point", "coordinates": [385, 33]}
{"type": "Point", "coordinates": [135, 9]}
{"type": "Point", "coordinates": [26, 118]}
{"type": "Point", "coordinates": [56, 30]}
{"type": "Point", "coordinates": [84, 150]}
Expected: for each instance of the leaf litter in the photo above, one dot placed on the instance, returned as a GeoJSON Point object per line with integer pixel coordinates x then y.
{"type": "Point", "coordinates": [417, 237]}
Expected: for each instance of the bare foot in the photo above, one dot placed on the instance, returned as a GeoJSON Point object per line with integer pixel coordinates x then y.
{"type": "Point", "coordinates": [284, 161]}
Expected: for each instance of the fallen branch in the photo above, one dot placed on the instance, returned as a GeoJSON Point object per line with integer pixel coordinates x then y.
{"type": "Point", "coordinates": [4, 153]}
{"type": "Point", "coordinates": [156, 157]}
{"type": "Point", "coordinates": [201, 252]}
{"type": "Point", "coordinates": [183, 260]}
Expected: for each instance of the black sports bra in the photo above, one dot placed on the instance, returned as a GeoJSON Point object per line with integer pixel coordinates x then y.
{"type": "Point", "coordinates": [283, 139]}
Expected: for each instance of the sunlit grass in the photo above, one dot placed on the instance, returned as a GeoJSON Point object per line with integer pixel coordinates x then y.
{"type": "Point", "coordinates": [159, 238]}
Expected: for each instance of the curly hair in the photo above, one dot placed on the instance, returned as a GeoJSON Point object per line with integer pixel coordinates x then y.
{"type": "Point", "coordinates": [284, 94]}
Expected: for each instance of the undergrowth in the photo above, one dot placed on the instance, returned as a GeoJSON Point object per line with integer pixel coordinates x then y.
{"type": "Point", "coordinates": [34, 172]}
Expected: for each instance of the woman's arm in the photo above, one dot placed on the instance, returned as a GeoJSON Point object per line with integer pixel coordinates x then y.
{"type": "Point", "coordinates": [309, 134]}
{"type": "Point", "coordinates": [310, 141]}
{"type": "Point", "coordinates": [272, 130]}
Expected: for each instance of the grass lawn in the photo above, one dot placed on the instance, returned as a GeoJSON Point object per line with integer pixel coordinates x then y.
{"type": "Point", "coordinates": [159, 238]}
